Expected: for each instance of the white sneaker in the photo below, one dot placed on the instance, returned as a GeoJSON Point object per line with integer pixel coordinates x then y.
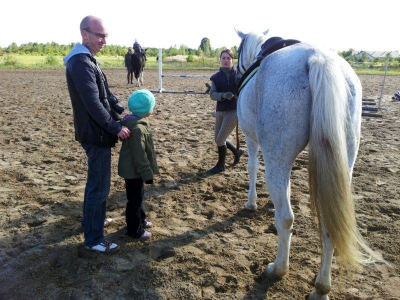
{"type": "Point", "coordinates": [108, 222]}
{"type": "Point", "coordinates": [147, 224]}
{"type": "Point", "coordinates": [105, 247]}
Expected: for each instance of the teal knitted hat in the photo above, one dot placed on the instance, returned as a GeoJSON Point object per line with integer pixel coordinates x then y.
{"type": "Point", "coordinates": [141, 103]}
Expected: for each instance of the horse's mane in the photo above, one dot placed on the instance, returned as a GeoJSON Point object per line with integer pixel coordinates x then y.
{"type": "Point", "coordinates": [252, 47]}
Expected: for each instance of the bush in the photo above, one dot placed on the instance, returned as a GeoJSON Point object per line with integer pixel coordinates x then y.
{"type": "Point", "coordinates": [10, 61]}
{"type": "Point", "coordinates": [51, 60]}
{"type": "Point", "coordinates": [190, 58]}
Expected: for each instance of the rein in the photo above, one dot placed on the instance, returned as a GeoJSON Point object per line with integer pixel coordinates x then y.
{"type": "Point", "coordinates": [239, 51]}
{"type": "Point", "coordinates": [246, 76]}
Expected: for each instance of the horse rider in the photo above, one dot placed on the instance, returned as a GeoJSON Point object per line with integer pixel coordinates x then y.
{"type": "Point", "coordinates": [138, 49]}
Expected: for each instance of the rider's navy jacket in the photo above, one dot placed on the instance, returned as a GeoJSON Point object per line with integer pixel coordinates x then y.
{"type": "Point", "coordinates": [224, 84]}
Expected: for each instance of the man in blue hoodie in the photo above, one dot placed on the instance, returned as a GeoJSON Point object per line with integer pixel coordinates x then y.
{"type": "Point", "coordinates": [96, 128]}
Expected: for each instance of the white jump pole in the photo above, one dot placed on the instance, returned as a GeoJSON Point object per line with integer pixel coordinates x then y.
{"type": "Point", "coordinates": [186, 76]}
{"type": "Point", "coordinates": [161, 75]}
{"type": "Point", "coordinates": [160, 70]}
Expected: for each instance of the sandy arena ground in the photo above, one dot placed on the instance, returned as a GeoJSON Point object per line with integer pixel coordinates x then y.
{"type": "Point", "coordinates": [204, 244]}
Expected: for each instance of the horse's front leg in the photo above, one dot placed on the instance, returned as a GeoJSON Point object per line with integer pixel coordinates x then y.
{"type": "Point", "coordinates": [323, 281]}
{"type": "Point", "coordinates": [277, 176]}
{"type": "Point", "coordinates": [141, 77]}
{"type": "Point", "coordinates": [252, 168]}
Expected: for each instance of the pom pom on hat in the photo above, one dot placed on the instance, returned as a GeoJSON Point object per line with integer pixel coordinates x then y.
{"type": "Point", "coordinates": [141, 102]}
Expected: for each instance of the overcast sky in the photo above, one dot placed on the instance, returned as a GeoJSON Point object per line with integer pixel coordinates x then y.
{"type": "Point", "coordinates": [338, 25]}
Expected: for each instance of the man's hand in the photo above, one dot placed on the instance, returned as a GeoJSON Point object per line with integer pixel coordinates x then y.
{"type": "Point", "coordinates": [124, 133]}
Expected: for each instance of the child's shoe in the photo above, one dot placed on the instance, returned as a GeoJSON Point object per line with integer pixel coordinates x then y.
{"type": "Point", "coordinates": [145, 236]}
{"type": "Point", "coordinates": [147, 224]}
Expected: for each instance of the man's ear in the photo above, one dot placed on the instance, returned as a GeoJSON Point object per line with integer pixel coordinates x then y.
{"type": "Point", "coordinates": [85, 35]}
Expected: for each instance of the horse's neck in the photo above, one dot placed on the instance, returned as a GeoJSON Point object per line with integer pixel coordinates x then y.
{"type": "Point", "coordinates": [256, 51]}
{"type": "Point", "coordinates": [252, 55]}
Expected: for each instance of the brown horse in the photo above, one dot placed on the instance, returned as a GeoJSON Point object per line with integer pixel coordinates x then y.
{"type": "Point", "coordinates": [138, 61]}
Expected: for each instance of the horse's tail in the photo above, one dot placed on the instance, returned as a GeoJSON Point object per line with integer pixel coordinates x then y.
{"type": "Point", "coordinates": [329, 175]}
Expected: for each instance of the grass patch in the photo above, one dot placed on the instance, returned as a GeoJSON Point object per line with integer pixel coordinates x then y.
{"type": "Point", "coordinates": [107, 62]}
{"type": "Point", "coordinates": [117, 62]}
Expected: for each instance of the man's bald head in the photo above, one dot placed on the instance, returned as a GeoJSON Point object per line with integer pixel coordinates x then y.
{"type": "Point", "coordinates": [93, 34]}
{"type": "Point", "coordinates": [88, 22]}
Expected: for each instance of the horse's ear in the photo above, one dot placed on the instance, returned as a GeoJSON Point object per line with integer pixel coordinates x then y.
{"type": "Point", "coordinates": [265, 32]}
{"type": "Point", "coordinates": [240, 33]}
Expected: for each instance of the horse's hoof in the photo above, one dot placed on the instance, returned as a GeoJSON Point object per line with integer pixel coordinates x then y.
{"type": "Point", "coordinates": [315, 296]}
{"type": "Point", "coordinates": [250, 206]}
{"type": "Point", "coordinates": [271, 274]}
{"type": "Point", "coordinates": [270, 271]}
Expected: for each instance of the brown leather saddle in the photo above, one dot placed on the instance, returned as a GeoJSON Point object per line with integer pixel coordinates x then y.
{"type": "Point", "coordinates": [271, 45]}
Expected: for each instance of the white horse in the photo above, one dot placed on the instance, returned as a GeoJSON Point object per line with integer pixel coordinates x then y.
{"type": "Point", "coordinates": [300, 96]}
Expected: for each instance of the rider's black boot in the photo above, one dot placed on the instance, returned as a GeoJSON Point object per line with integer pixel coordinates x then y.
{"type": "Point", "coordinates": [220, 166]}
{"type": "Point", "coordinates": [237, 152]}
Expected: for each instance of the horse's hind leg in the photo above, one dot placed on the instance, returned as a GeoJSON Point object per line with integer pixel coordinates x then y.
{"type": "Point", "coordinates": [323, 281]}
{"type": "Point", "coordinates": [252, 168]}
{"type": "Point", "coordinates": [277, 176]}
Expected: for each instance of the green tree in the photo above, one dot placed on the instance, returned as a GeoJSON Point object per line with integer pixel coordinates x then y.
{"type": "Point", "coordinates": [364, 56]}
{"type": "Point", "coordinates": [172, 51]}
{"type": "Point", "coordinates": [205, 46]}
{"type": "Point", "coordinates": [347, 53]}
{"type": "Point", "coordinates": [183, 50]}
{"type": "Point", "coordinates": [13, 48]}
{"type": "Point", "coordinates": [200, 52]}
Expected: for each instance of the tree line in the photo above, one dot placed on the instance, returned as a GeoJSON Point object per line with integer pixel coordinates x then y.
{"type": "Point", "coordinates": [204, 50]}
{"type": "Point", "coordinates": [55, 49]}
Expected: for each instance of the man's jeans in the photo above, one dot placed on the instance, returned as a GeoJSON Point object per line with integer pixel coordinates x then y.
{"type": "Point", "coordinates": [96, 193]}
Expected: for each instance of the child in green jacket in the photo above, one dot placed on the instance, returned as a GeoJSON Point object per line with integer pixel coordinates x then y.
{"type": "Point", "coordinates": [137, 161]}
